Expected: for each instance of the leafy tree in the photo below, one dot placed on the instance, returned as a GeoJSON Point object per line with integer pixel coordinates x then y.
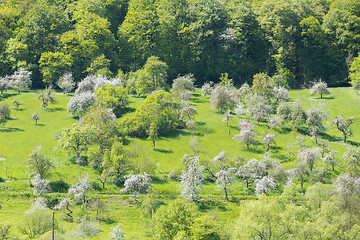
{"type": "Point", "coordinates": [46, 97]}
{"type": "Point", "coordinates": [264, 185]}
{"type": "Point", "coordinates": [21, 80]}
{"type": "Point", "coordinates": [343, 125]}
{"type": "Point", "coordinates": [80, 188]}
{"type": "Point", "coordinates": [262, 85]}
{"type": "Point", "coordinates": [80, 103]}
{"type": "Point", "coordinates": [352, 161]}
{"type": "Point", "coordinates": [315, 117]}
{"type": "Point", "coordinates": [354, 74]}
{"type": "Point", "coordinates": [100, 66]}
{"type": "Point", "coordinates": [348, 188]}
{"type": "Point", "coordinates": [4, 113]}
{"type": "Point", "coordinates": [191, 178]}
{"type": "Point", "coordinates": [274, 121]}
{"type": "Point", "coordinates": [75, 139]}
{"type": "Point", "coordinates": [309, 157]}
{"type": "Point", "coordinates": [53, 65]}
{"type": "Point", "coordinates": [112, 97]}
{"type": "Point", "coordinates": [152, 76]}
{"type": "Point", "coordinates": [136, 184]}
{"type": "Point", "coordinates": [300, 171]}
{"type": "Point", "coordinates": [39, 163]}
{"type": "Point", "coordinates": [319, 88]}
{"type": "Point", "coordinates": [153, 133]}
{"type": "Point", "coordinates": [41, 186]}
{"type": "Point", "coordinates": [281, 94]}
{"type": "Point", "coordinates": [177, 216]}
{"type": "Point", "coordinates": [17, 103]}
{"type": "Point", "coordinates": [247, 134]}
{"type": "Point", "coordinates": [5, 232]}
{"type": "Point", "coordinates": [66, 82]}
{"type": "Point", "coordinates": [268, 139]}
{"type": "Point", "coordinates": [293, 113]}
{"type": "Point", "coordinates": [224, 179]}
{"type": "Point", "coordinates": [115, 162]}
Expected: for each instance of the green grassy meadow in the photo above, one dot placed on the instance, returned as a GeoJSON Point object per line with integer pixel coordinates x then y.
{"type": "Point", "coordinates": [20, 135]}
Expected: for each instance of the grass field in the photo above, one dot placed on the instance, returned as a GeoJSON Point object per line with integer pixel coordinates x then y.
{"type": "Point", "coordinates": [20, 135]}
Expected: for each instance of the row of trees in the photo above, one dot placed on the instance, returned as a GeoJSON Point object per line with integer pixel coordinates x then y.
{"type": "Point", "coordinates": [298, 40]}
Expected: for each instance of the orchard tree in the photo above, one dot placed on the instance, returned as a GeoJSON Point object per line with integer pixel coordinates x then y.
{"type": "Point", "coordinates": [281, 94]}
{"type": "Point", "coordinates": [343, 125]}
{"type": "Point", "coordinates": [300, 171]}
{"type": "Point", "coordinates": [253, 169]}
{"type": "Point", "coordinates": [153, 133]}
{"type": "Point", "coordinates": [247, 134]}
{"type": "Point", "coordinates": [222, 98]}
{"type": "Point", "coordinates": [262, 85]}
{"type": "Point", "coordinates": [115, 162]}
{"type": "Point", "coordinates": [66, 82]}
{"type": "Point", "coordinates": [264, 185]}
{"type": "Point", "coordinates": [331, 159]}
{"type": "Point", "coordinates": [309, 156]}
{"type": "Point", "coordinates": [75, 139]}
{"type": "Point", "coordinates": [5, 84]}
{"type": "Point", "coordinates": [116, 233]}
{"type": "Point", "coordinates": [136, 184]}
{"type": "Point", "coordinates": [87, 229]}
{"type": "Point", "coordinates": [4, 113]}
{"type": "Point", "coordinates": [46, 97]}
{"type": "Point", "coordinates": [183, 86]}
{"type": "Point", "coordinates": [39, 163]}
{"type": "Point", "coordinates": [65, 204]}
{"type": "Point", "coordinates": [80, 103]}
{"type": "Point", "coordinates": [112, 97]}
{"type": "Point", "coordinates": [80, 188]}
{"type": "Point", "coordinates": [315, 117]}
{"type": "Point", "coordinates": [348, 188]}
{"type": "Point", "coordinates": [41, 186]}
{"type": "Point", "coordinates": [319, 88]}
{"type": "Point", "coordinates": [21, 80]}
{"type": "Point", "coordinates": [17, 103]}
{"type": "Point", "coordinates": [258, 107]}
{"type": "Point", "coordinates": [191, 177]}
{"type": "Point", "coordinates": [268, 139]}
{"type": "Point", "coordinates": [35, 117]}
{"type": "Point", "coordinates": [224, 178]}
{"type": "Point", "coordinates": [207, 88]}
{"type": "Point", "coordinates": [227, 116]}
{"type": "Point", "coordinates": [188, 112]}
{"type": "Point", "coordinates": [292, 113]}
{"type": "Point", "coordinates": [352, 161]}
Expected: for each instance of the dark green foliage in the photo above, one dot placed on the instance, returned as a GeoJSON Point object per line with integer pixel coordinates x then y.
{"type": "Point", "coordinates": [4, 113]}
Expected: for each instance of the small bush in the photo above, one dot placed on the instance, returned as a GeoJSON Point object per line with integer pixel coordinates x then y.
{"type": "Point", "coordinates": [59, 186]}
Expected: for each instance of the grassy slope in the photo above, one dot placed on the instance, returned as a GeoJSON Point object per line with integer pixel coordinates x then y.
{"type": "Point", "coordinates": [20, 135]}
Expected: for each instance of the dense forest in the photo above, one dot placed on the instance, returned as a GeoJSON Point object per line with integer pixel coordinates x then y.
{"type": "Point", "coordinates": [299, 40]}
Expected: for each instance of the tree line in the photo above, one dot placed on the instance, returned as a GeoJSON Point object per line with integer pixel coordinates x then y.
{"type": "Point", "coordinates": [299, 40]}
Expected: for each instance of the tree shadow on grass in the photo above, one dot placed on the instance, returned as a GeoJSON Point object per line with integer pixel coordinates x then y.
{"type": "Point", "coordinates": [40, 124]}
{"type": "Point", "coordinates": [158, 180]}
{"type": "Point", "coordinates": [7, 95]}
{"type": "Point", "coordinates": [127, 110]}
{"type": "Point", "coordinates": [209, 204]}
{"type": "Point", "coordinates": [330, 138]}
{"type": "Point", "coordinates": [18, 109]}
{"type": "Point", "coordinates": [107, 220]}
{"type": "Point", "coordinates": [11, 129]}
{"type": "Point", "coordinates": [55, 109]}
{"type": "Point", "coordinates": [353, 143]}
{"type": "Point", "coordinates": [163, 150]}
{"type": "Point", "coordinates": [324, 97]}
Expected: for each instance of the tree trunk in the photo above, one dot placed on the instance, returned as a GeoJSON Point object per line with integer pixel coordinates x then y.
{"type": "Point", "coordinates": [53, 226]}
{"type": "Point", "coordinates": [154, 144]}
{"type": "Point", "coordinates": [84, 199]}
{"type": "Point", "coordinates": [321, 96]}
{"type": "Point", "coordinates": [226, 195]}
{"type": "Point", "coordinates": [344, 138]}
{"type": "Point", "coordinates": [247, 183]}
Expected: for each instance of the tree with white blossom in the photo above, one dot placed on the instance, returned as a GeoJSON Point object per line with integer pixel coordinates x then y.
{"type": "Point", "coordinates": [343, 125]}
{"type": "Point", "coordinates": [41, 186]}
{"type": "Point", "coordinates": [264, 185]}
{"type": "Point", "coordinates": [66, 82]}
{"type": "Point", "coordinates": [136, 184]}
{"type": "Point", "coordinates": [224, 179]}
{"type": "Point", "coordinates": [227, 116]}
{"type": "Point", "coordinates": [87, 229]}
{"type": "Point", "coordinates": [21, 80]}
{"type": "Point", "coordinates": [309, 156]}
{"type": "Point", "coordinates": [268, 139]}
{"type": "Point", "coordinates": [258, 107]}
{"type": "Point", "coordinates": [281, 94]}
{"type": "Point", "coordinates": [315, 117]}
{"type": "Point", "coordinates": [253, 170]}
{"type": "Point", "coordinates": [247, 134]}
{"type": "Point", "coordinates": [116, 233]}
{"type": "Point", "coordinates": [80, 103]}
{"type": "Point", "coordinates": [319, 88]}
{"type": "Point", "coordinates": [331, 159]}
{"type": "Point", "coordinates": [80, 188]}
{"type": "Point", "coordinates": [65, 204]}
{"type": "Point", "coordinates": [191, 177]}
{"type": "Point", "coordinates": [349, 191]}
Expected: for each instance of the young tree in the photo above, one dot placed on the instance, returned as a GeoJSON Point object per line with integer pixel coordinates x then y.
{"type": "Point", "coordinates": [21, 80]}
{"type": "Point", "coordinates": [331, 159]}
{"type": "Point", "coordinates": [207, 89]}
{"type": "Point", "coordinates": [268, 139]}
{"type": "Point", "coordinates": [153, 133]}
{"type": "Point", "coordinates": [35, 117]}
{"type": "Point", "coordinates": [301, 171]}
{"type": "Point", "coordinates": [191, 177]}
{"type": "Point", "coordinates": [112, 97]}
{"type": "Point", "coordinates": [116, 233]}
{"type": "Point", "coordinates": [262, 85]}
{"type": "Point", "coordinates": [66, 82]}
{"type": "Point", "coordinates": [4, 113]}
{"type": "Point", "coordinates": [264, 185]}
{"type": "Point", "coordinates": [5, 84]}
{"type": "Point", "coordinates": [281, 94]}
{"type": "Point", "coordinates": [75, 139]}
{"type": "Point", "coordinates": [188, 112]}
{"type": "Point", "coordinates": [87, 229]}
{"type": "Point", "coordinates": [17, 103]}
{"type": "Point", "coordinates": [314, 120]}
{"type": "Point", "coordinates": [224, 178]}
{"type": "Point", "coordinates": [46, 97]}
{"type": "Point", "coordinates": [80, 103]}
{"type": "Point", "coordinates": [258, 107]}
{"type": "Point", "coordinates": [227, 116]}
{"type": "Point", "coordinates": [115, 162]}
{"type": "Point", "coordinates": [65, 204]}
{"type": "Point", "coordinates": [41, 186]}
{"type": "Point", "coordinates": [319, 88]}
{"type": "Point", "coordinates": [191, 125]}
{"type": "Point", "coordinates": [183, 86]}
{"type": "Point", "coordinates": [343, 125]}
{"type": "Point", "coordinates": [39, 163]}
{"type": "Point", "coordinates": [80, 188]}
{"type": "Point", "coordinates": [136, 184]}
{"type": "Point", "coordinates": [247, 134]}
{"type": "Point", "coordinates": [222, 98]}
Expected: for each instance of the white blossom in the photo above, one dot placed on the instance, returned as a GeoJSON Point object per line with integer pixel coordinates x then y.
{"type": "Point", "coordinates": [264, 185]}
{"type": "Point", "coordinates": [136, 184]}
{"type": "Point", "coordinates": [80, 103]}
{"type": "Point", "coordinates": [66, 82]}
{"type": "Point", "coordinates": [80, 188]}
{"type": "Point", "coordinates": [116, 233]}
{"type": "Point", "coordinates": [41, 186]}
{"type": "Point", "coordinates": [191, 178]}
